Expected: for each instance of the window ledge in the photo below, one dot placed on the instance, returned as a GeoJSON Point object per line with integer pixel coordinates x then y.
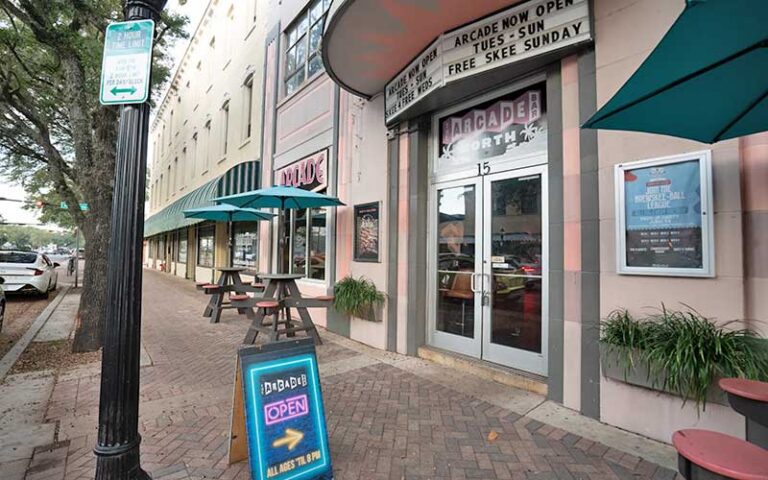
{"type": "Point", "coordinates": [221, 159]}
{"type": "Point", "coordinates": [204, 172]}
{"type": "Point", "coordinates": [311, 282]}
{"type": "Point", "coordinates": [245, 143]}
{"type": "Point", "coordinates": [209, 88]}
{"type": "Point", "coordinates": [314, 78]}
{"type": "Point", "coordinates": [227, 64]}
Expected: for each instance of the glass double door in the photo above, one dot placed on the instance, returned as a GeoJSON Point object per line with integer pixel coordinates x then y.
{"type": "Point", "coordinates": [490, 282]}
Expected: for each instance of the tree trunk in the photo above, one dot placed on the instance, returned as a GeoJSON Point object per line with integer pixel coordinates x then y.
{"type": "Point", "coordinates": [93, 301]}
{"type": "Point", "coordinates": [98, 188]}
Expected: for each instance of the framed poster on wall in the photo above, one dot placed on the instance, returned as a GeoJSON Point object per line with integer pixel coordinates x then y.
{"type": "Point", "coordinates": [664, 216]}
{"type": "Point", "coordinates": [367, 232]}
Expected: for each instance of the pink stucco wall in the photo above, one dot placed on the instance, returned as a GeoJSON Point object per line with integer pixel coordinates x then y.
{"type": "Point", "coordinates": [620, 48]}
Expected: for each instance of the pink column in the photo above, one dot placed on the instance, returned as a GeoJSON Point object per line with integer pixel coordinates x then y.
{"type": "Point", "coordinates": [754, 182]}
{"type": "Point", "coordinates": [571, 234]}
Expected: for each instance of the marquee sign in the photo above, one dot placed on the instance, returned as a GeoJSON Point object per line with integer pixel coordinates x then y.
{"type": "Point", "coordinates": [521, 32]}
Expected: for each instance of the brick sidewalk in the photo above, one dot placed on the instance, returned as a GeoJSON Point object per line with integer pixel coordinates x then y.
{"type": "Point", "coordinates": [385, 420]}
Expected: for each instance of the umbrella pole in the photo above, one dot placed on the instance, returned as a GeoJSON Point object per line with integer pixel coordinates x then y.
{"type": "Point", "coordinates": [231, 243]}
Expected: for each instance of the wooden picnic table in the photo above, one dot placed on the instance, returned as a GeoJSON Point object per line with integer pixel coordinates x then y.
{"type": "Point", "coordinates": [282, 288]}
{"type": "Point", "coordinates": [229, 282]}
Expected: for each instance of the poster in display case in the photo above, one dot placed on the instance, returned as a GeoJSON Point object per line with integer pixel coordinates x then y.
{"type": "Point", "coordinates": [665, 217]}
{"type": "Point", "coordinates": [367, 232]}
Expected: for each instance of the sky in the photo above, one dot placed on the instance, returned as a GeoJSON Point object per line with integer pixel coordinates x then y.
{"type": "Point", "coordinates": [13, 212]}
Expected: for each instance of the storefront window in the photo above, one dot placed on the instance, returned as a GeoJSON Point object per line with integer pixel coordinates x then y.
{"type": "Point", "coordinates": [299, 262]}
{"type": "Point", "coordinates": [305, 233]}
{"type": "Point", "coordinates": [181, 249]}
{"type": "Point", "coordinates": [246, 244]}
{"type": "Point", "coordinates": [316, 244]}
{"type": "Point", "coordinates": [205, 246]}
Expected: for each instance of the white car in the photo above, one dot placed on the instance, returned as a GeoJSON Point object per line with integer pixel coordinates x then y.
{"type": "Point", "coordinates": [28, 272]}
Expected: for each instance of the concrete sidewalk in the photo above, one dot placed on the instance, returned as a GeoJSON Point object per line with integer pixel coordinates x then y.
{"type": "Point", "coordinates": [389, 416]}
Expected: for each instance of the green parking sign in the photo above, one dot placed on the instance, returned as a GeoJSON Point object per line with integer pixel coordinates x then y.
{"type": "Point", "coordinates": [127, 62]}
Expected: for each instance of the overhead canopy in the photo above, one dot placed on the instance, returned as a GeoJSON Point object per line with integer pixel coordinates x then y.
{"type": "Point", "coordinates": [707, 79]}
{"type": "Point", "coordinates": [367, 42]}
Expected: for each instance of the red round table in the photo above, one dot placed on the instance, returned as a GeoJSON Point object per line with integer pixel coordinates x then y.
{"type": "Point", "coordinates": [750, 398]}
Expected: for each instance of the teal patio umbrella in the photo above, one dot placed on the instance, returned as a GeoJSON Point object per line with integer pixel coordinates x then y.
{"type": "Point", "coordinates": [707, 79]}
{"type": "Point", "coordinates": [229, 214]}
{"type": "Point", "coordinates": [282, 198]}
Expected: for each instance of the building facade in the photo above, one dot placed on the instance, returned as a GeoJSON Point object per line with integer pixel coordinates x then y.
{"type": "Point", "coordinates": [206, 142]}
{"type": "Point", "coordinates": [500, 231]}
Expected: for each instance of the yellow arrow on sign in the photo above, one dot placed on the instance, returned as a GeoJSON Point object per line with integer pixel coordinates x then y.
{"type": "Point", "coordinates": [291, 439]}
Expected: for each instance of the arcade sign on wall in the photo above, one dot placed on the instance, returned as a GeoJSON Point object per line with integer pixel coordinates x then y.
{"type": "Point", "coordinates": [309, 173]}
{"type": "Point", "coordinates": [515, 34]}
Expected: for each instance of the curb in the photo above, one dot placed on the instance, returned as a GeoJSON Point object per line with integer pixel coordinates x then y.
{"type": "Point", "coordinates": [10, 358]}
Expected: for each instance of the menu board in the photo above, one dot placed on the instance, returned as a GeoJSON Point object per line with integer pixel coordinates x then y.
{"type": "Point", "coordinates": [367, 232]}
{"type": "Point", "coordinates": [665, 217]}
{"type": "Point", "coordinates": [285, 418]}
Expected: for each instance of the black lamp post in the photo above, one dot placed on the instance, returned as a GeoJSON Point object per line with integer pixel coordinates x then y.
{"type": "Point", "coordinates": [117, 450]}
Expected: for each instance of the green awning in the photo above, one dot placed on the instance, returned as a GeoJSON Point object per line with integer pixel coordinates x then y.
{"type": "Point", "coordinates": [706, 80]}
{"type": "Point", "coordinates": [172, 216]}
{"type": "Point", "coordinates": [243, 177]}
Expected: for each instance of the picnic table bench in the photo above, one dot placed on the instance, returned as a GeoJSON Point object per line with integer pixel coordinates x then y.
{"type": "Point", "coordinates": [281, 294]}
{"type": "Point", "coordinates": [230, 283]}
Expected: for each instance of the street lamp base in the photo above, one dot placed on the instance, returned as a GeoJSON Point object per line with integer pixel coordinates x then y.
{"type": "Point", "coordinates": [115, 463]}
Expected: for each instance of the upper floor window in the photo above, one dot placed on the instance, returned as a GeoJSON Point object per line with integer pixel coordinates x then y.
{"type": "Point", "coordinates": [248, 107]}
{"type": "Point", "coordinates": [303, 58]}
{"type": "Point", "coordinates": [225, 127]}
{"type": "Point", "coordinates": [207, 145]}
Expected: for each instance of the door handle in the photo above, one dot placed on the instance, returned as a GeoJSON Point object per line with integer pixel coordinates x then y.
{"type": "Point", "coordinates": [473, 283]}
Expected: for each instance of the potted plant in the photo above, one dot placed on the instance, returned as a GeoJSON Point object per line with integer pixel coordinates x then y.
{"type": "Point", "coordinates": [359, 298]}
{"type": "Point", "coordinates": [680, 352]}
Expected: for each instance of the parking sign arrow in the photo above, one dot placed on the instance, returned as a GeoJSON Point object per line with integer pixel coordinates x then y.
{"type": "Point", "coordinates": [117, 91]}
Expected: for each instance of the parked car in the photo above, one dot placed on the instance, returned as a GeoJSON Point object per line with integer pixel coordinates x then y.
{"type": "Point", "coordinates": [2, 303]}
{"type": "Point", "coordinates": [28, 272]}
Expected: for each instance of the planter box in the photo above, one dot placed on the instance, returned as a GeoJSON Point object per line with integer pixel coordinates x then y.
{"type": "Point", "coordinates": [372, 314]}
{"type": "Point", "coordinates": [613, 367]}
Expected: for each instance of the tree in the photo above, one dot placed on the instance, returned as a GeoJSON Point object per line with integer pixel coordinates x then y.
{"type": "Point", "coordinates": [55, 138]}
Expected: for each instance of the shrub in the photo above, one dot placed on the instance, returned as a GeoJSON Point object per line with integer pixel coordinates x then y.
{"type": "Point", "coordinates": [685, 352]}
{"type": "Point", "coordinates": [356, 296]}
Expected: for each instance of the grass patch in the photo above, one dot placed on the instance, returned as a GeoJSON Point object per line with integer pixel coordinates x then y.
{"type": "Point", "coordinates": [56, 355]}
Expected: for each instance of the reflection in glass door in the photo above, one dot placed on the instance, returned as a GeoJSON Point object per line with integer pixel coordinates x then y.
{"type": "Point", "coordinates": [457, 302]}
{"type": "Point", "coordinates": [514, 261]}
{"type": "Point", "coordinates": [490, 257]}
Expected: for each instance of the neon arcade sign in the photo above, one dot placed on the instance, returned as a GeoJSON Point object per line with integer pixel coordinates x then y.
{"type": "Point", "coordinates": [309, 173]}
